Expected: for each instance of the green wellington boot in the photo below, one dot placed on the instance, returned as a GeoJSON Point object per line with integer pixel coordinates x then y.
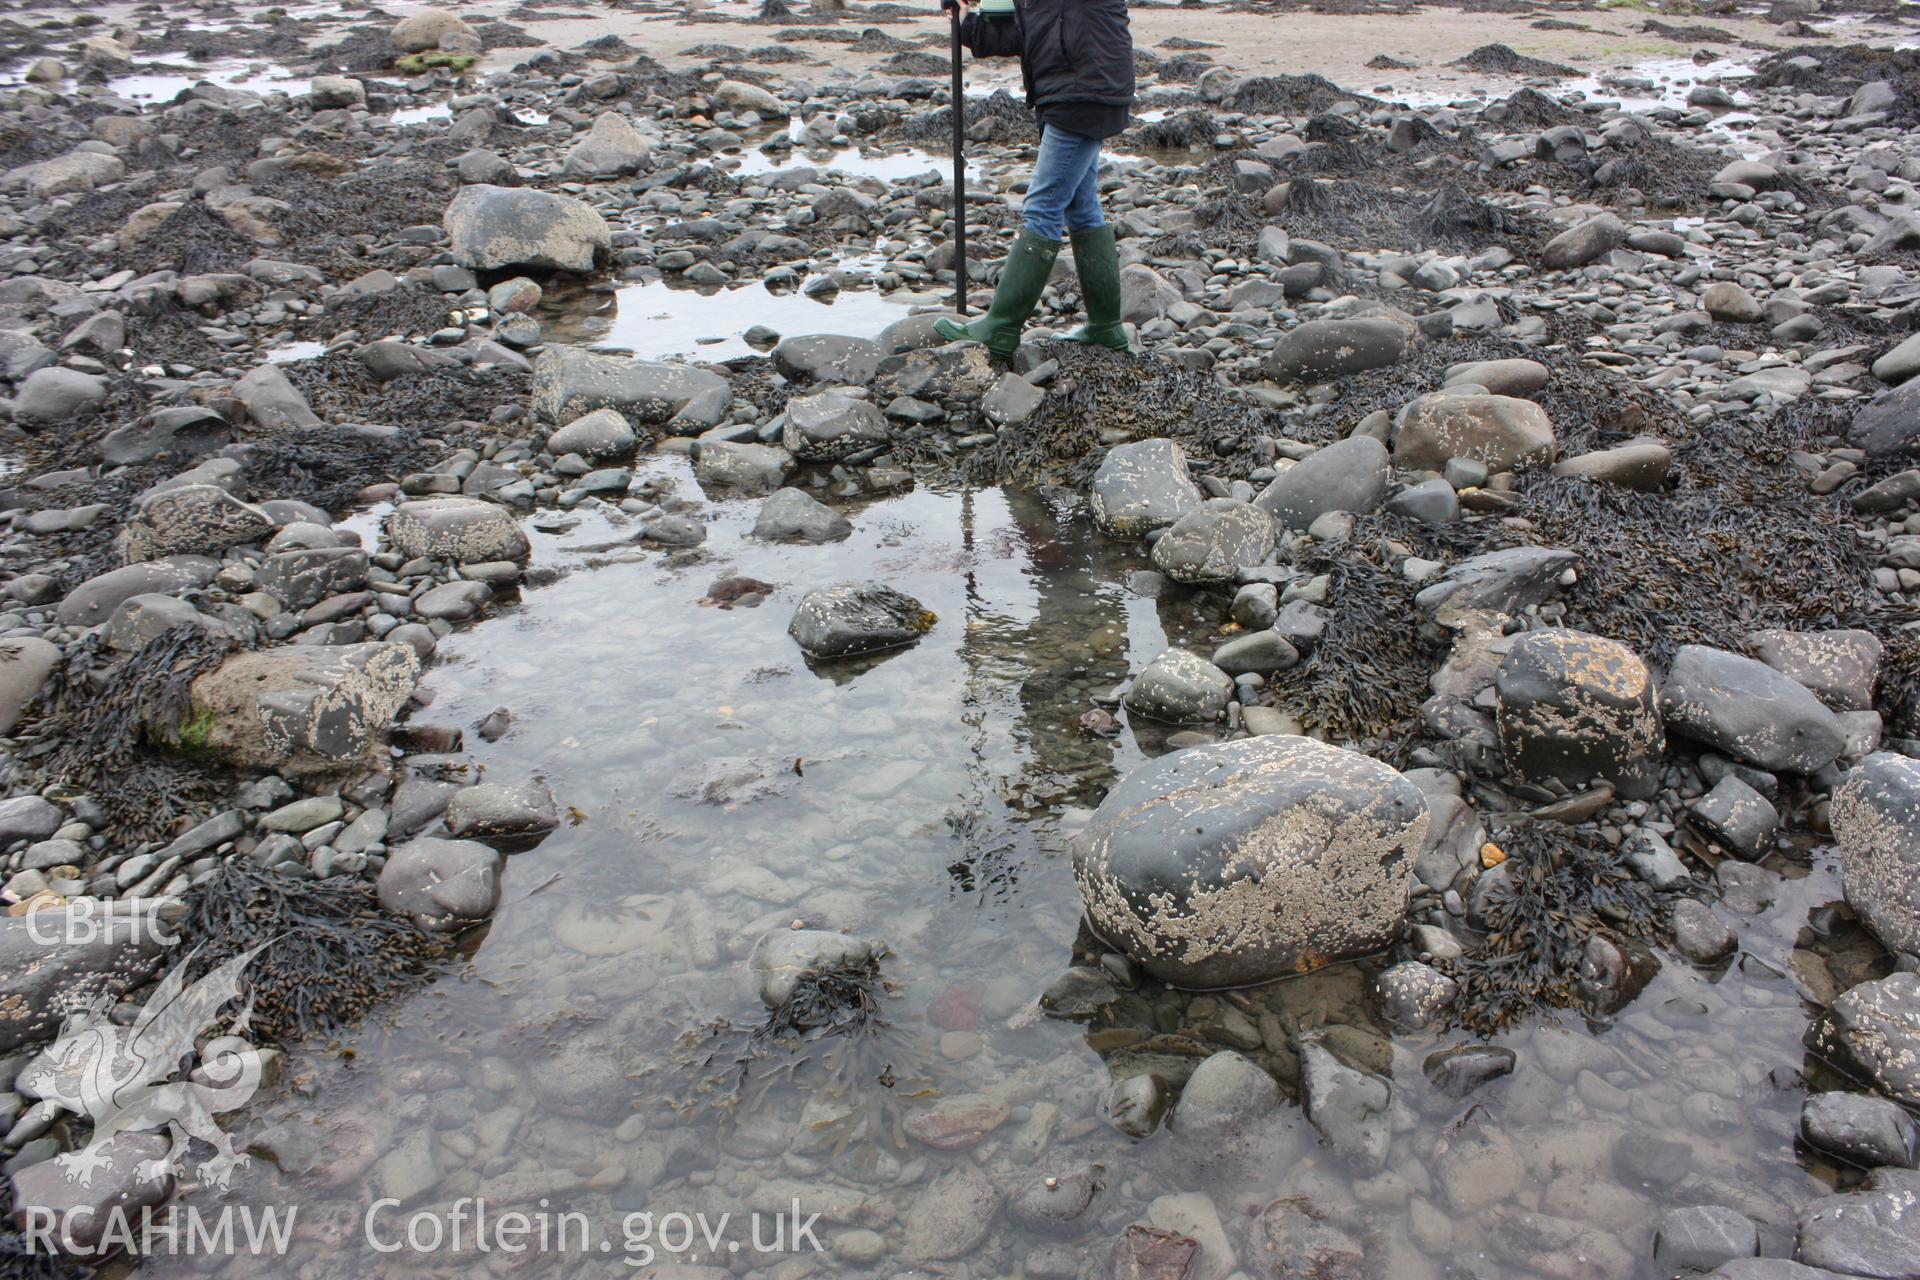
{"type": "Point", "coordinates": [1097, 258]}
{"type": "Point", "coordinates": [1022, 277]}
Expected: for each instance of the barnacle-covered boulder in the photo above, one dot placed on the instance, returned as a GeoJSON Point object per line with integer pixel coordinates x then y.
{"type": "Point", "coordinates": [1245, 861]}
{"type": "Point", "coordinates": [1574, 707]}
{"type": "Point", "coordinates": [302, 709]}
{"type": "Point", "coordinates": [1142, 486]}
{"type": "Point", "coordinates": [1876, 819]}
{"type": "Point", "coordinates": [467, 530]}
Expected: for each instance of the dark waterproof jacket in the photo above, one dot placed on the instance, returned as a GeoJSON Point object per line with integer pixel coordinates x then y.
{"type": "Point", "coordinates": [1069, 50]}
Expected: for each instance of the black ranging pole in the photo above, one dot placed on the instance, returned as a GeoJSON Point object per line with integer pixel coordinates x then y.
{"type": "Point", "coordinates": [959, 173]}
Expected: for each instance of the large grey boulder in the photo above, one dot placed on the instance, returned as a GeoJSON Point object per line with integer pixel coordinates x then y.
{"type": "Point", "coordinates": [1320, 350]}
{"type": "Point", "coordinates": [63, 175]}
{"type": "Point", "coordinates": [1574, 707]}
{"type": "Point", "coordinates": [420, 32]}
{"type": "Point", "coordinates": [601, 434]}
{"type": "Point", "coordinates": [194, 519]}
{"type": "Point", "coordinates": [304, 576]}
{"type": "Point", "coordinates": [1862, 1130]}
{"type": "Point", "coordinates": [1872, 1031]}
{"type": "Point", "coordinates": [1500, 432]}
{"type": "Point", "coordinates": [55, 396]}
{"type": "Point", "coordinates": [1241, 862]}
{"type": "Point", "coordinates": [93, 601]}
{"type": "Point", "coordinates": [464, 530]}
{"type": "Point", "coordinates": [1510, 377]}
{"type": "Point", "coordinates": [1142, 486]}
{"type": "Point", "coordinates": [506, 814]}
{"type": "Point", "coordinates": [1214, 541]}
{"type": "Point", "coordinates": [740, 467]}
{"type": "Point", "coordinates": [1874, 1231]}
{"type": "Point", "coordinates": [612, 147]}
{"type": "Point", "coordinates": [1903, 362]}
{"type": "Point", "coordinates": [828, 358]}
{"type": "Point", "coordinates": [303, 709]}
{"type": "Point", "coordinates": [796, 515]}
{"type": "Point", "coordinates": [738, 95]}
{"type": "Point", "coordinates": [62, 953]}
{"type": "Point", "coordinates": [1180, 688]}
{"type": "Point", "coordinates": [85, 1220]}
{"type": "Point", "coordinates": [181, 431]}
{"type": "Point", "coordinates": [25, 664]}
{"type": "Point", "coordinates": [29, 817]}
{"type": "Point", "coordinates": [569, 382]}
{"type": "Point", "coordinates": [829, 427]}
{"type": "Point", "coordinates": [1699, 1237]}
{"type": "Point", "coordinates": [1584, 242]}
{"type": "Point", "coordinates": [1876, 820]}
{"type": "Point", "coordinates": [1642, 465]}
{"type": "Point", "coordinates": [1841, 667]}
{"type": "Point", "coordinates": [272, 401]}
{"type": "Point", "coordinates": [854, 618]}
{"type": "Point", "coordinates": [1352, 1109]}
{"type": "Point", "coordinates": [1224, 1101]}
{"type": "Point", "coordinates": [494, 227]}
{"type": "Point", "coordinates": [1889, 424]}
{"type": "Point", "coordinates": [442, 885]}
{"type": "Point", "coordinates": [1348, 475]}
{"type": "Point", "coordinates": [1747, 709]}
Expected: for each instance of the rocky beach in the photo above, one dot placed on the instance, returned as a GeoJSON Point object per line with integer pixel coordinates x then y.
{"type": "Point", "coordinates": [552, 726]}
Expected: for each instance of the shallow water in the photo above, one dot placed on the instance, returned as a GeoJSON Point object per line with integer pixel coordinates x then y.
{"type": "Point", "coordinates": [660, 319]}
{"type": "Point", "coordinates": [722, 788]}
{"type": "Point", "coordinates": [163, 86]}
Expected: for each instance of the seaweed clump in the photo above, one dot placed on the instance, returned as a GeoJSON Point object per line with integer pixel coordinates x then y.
{"type": "Point", "coordinates": [1499, 59]}
{"type": "Point", "coordinates": [330, 953]}
{"type": "Point", "coordinates": [1099, 391]}
{"type": "Point", "coordinates": [1556, 892]}
{"type": "Point", "coordinates": [1184, 132]}
{"type": "Point", "coordinates": [1305, 95]}
{"type": "Point", "coordinates": [829, 1039]}
{"type": "Point", "coordinates": [99, 718]}
{"type": "Point", "coordinates": [1364, 680]}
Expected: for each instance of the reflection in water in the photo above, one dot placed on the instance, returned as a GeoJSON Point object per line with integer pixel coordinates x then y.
{"type": "Point", "coordinates": [726, 790]}
{"type": "Point", "coordinates": [661, 319]}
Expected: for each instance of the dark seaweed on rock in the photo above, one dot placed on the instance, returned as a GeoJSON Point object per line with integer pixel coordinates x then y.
{"type": "Point", "coordinates": [407, 311]}
{"type": "Point", "coordinates": [100, 717]}
{"type": "Point", "coordinates": [1310, 94]}
{"type": "Point", "coordinates": [1532, 107]}
{"type": "Point", "coordinates": [830, 1038]}
{"type": "Point", "coordinates": [1365, 679]}
{"type": "Point", "coordinates": [331, 952]}
{"type": "Point", "coordinates": [1559, 890]}
{"type": "Point", "coordinates": [1499, 59]}
{"type": "Point", "coordinates": [1096, 391]}
{"type": "Point", "coordinates": [1183, 132]}
{"type": "Point", "coordinates": [1845, 68]}
{"type": "Point", "coordinates": [999, 117]}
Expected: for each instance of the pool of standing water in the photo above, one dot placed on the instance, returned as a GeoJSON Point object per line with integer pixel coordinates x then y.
{"type": "Point", "coordinates": [580, 1058]}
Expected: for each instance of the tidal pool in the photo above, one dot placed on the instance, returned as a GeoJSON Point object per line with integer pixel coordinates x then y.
{"type": "Point", "coordinates": [582, 1058]}
{"type": "Point", "coordinates": [661, 319]}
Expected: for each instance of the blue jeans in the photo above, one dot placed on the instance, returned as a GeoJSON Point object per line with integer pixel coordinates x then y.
{"type": "Point", "coordinates": [1065, 193]}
